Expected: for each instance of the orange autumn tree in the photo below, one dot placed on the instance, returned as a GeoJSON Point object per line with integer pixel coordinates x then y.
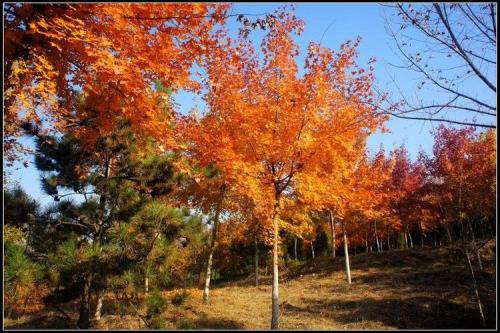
{"type": "Point", "coordinates": [121, 59]}
{"type": "Point", "coordinates": [420, 213]}
{"type": "Point", "coordinates": [483, 154]}
{"type": "Point", "coordinates": [464, 169]}
{"type": "Point", "coordinates": [278, 132]}
{"type": "Point", "coordinates": [365, 192]}
{"type": "Point", "coordinates": [407, 182]}
{"type": "Point", "coordinates": [377, 211]}
{"type": "Point", "coordinates": [208, 192]}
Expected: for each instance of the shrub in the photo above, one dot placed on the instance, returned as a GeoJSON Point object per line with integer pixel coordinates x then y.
{"type": "Point", "coordinates": [155, 303]}
{"type": "Point", "coordinates": [180, 298]}
{"type": "Point", "coordinates": [185, 324]}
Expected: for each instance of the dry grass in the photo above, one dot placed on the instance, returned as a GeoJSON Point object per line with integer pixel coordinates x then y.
{"type": "Point", "coordinates": [400, 289]}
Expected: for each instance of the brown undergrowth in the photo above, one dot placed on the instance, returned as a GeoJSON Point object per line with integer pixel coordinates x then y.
{"type": "Point", "coordinates": [399, 289]}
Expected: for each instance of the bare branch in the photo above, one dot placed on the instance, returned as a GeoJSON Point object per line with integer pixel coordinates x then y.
{"type": "Point", "coordinates": [433, 80]}
{"type": "Point", "coordinates": [444, 19]}
{"type": "Point", "coordinates": [474, 21]}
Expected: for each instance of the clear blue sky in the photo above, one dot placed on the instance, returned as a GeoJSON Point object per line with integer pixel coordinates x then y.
{"type": "Point", "coordinates": [344, 22]}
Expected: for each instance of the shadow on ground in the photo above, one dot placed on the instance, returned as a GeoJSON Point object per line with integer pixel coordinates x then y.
{"type": "Point", "coordinates": [402, 314]}
{"type": "Point", "coordinates": [44, 322]}
{"type": "Point", "coordinates": [205, 322]}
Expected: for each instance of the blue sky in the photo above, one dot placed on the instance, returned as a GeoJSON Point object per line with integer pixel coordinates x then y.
{"type": "Point", "coordinates": [336, 23]}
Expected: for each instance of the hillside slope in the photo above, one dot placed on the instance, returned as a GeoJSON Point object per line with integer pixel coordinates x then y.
{"type": "Point", "coordinates": [400, 289]}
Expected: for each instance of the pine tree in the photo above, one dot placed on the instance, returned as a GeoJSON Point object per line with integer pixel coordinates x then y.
{"type": "Point", "coordinates": [118, 218]}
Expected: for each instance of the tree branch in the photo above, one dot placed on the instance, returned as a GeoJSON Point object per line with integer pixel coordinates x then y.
{"type": "Point", "coordinates": [444, 19]}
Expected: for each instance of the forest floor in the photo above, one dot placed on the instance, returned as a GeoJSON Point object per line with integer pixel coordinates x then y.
{"type": "Point", "coordinates": [419, 288]}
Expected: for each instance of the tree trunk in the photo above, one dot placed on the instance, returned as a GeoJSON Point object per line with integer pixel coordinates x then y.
{"type": "Point", "coordinates": [146, 284]}
{"type": "Point", "coordinates": [275, 298]}
{"type": "Point", "coordinates": [332, 227]}
{"type": "Point", "coordinates": [476, 292]}
{"type": "Point", "coordinates": [312, 249]}
{"type": "Point", "coordinates": [448, 232]}
{"type": "Point", "coordinates": [346, 254]}
{"type": "Point", "coordinates": [210, 256]}
{"type": "Point", "coordinates": [100, 294]}
{"type": "Point", "coordinates": [295, 247]}
{"type": "Point", "coordinates": [98, 310]}
{"type": "Point", "coordinates": [406, 239]}
{"type": "Point", "coordinates": [85, 297]}
{"type": "Point", "coordinates": [421, 234]}
{"type": "Point", "coordinates": [410, 238]}
{"type": "Point", "coordinates": [256, 261]}
{"type": "Point", "coordinates": [476, 249]}
{"type": "Point", "coordinates": [376, 236]}
{"type": "Point", "coordinates": [366, 242]}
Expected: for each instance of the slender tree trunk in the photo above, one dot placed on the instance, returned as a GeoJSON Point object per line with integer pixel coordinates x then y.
{"type": "Point", "coordinates": [295, 247]}
{"type": "Point", "coordinates": [275, 287]}
{"type": "Point", "coordinates": [85, 297]}
{"type": "Point", "coordinates": [366, 242]}
{"type": "Point", "coordinates": [256, 261]}
{"type": "Point", "coordinates": [476, 249]}
{"type": "Point", "coordinates": [210, 256]}
{"type": "Point", "coordinates": [312, 249]}
{"type": "Point", "coordinates": [448, 232]}
{"type": "Point", "coordinates": [98, 311]}
{"type": "Point", "coordinates": [332, 227]}
{"type": "Point", "coordinates": [100, 293]}
{"type": "Point", "coordinates": [376, 236]}
{"type": "Point", "coordinates": [146, 284]}
{"type": "Point", "coordinates": [406, 239]}
{"type": "Point", "coordinates": [409, 237]}
{"type": "Point", "coordinates": [100, 240]}
{"type": "Point", "coordinates": [421, 234]}
{"type": "Point", "coordinates": [476, 292]}
{"type": "Point", "coordinates": [346, 251]}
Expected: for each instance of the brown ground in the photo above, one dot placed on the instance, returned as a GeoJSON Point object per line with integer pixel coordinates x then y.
{"type": "Point", "coordinates": [400, 289]}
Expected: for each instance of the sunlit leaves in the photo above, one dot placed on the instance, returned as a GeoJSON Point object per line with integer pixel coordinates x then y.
{"type": "Point", "coordinates": [114, 53]}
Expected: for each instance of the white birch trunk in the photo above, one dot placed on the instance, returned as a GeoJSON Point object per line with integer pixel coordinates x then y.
{"type": "Point", "coordinates": [409, 236]}
{"type": "Point", "coordinates": [275, 287]}
{"type": "Point", "coordinates": [346, 251]}
{"type": "Point", "coordinates": [206, 291]}
{"type": "Point", "coordinates": [98, 311]}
